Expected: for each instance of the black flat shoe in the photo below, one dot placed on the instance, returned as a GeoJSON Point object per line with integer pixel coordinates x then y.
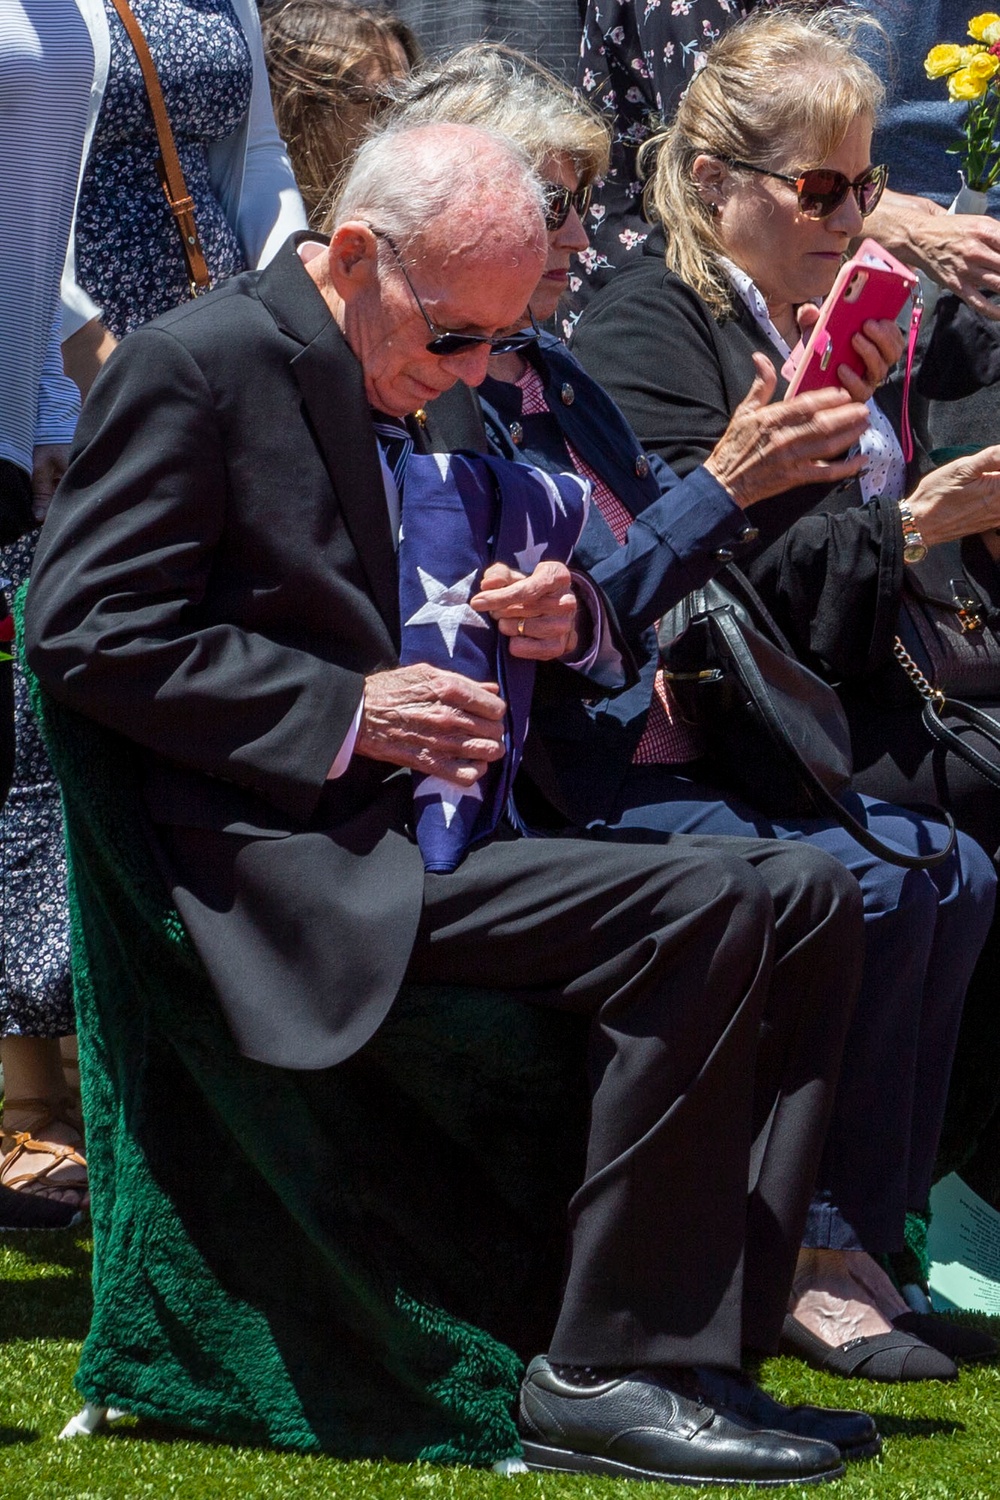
{"type": "Point", "coordinates": [964, 1345]}
{"type": "Point", "coordinates": [853, 1432]}
{"type": "Point", "coordinates": [891, 1356]}
{"type": "Point", "coordinates": [643, 1426]}
{"type": "Point", "coordinates": [21, 1211]}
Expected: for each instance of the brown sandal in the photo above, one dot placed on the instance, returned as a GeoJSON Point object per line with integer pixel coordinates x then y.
{"type": "Point", "coordinates": [17, 1146]}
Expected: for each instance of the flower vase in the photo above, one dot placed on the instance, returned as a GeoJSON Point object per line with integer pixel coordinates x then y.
{"type": "Point", "coordinates": [967, 200]}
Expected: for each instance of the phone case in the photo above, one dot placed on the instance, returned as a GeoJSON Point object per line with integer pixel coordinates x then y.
{"type": "Point", "coordinates": [872, 284]}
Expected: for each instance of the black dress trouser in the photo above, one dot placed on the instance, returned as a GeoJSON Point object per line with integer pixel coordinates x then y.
{"type": "Point", "coordinates": [720, 975]}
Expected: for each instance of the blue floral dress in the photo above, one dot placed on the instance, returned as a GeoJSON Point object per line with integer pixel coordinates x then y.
{"type": "Point", "coordinates": [128, 249]}
{"type": "Point", "coordinates": [130, 260]}
{"type": "Point", "coordinates": [636, 59]}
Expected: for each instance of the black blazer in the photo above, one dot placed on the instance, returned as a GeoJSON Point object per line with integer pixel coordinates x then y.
{"type": "Point", "coordinates": [214, 580]}
{"type": "Point", "coordinates": [830, 567]}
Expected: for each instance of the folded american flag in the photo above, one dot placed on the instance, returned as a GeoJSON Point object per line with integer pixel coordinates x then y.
{"type": "Point", "coordinates": [462, 512]}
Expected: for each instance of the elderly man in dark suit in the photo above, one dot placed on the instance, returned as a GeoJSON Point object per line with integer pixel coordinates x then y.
{"type": "Point", "coordinates": [217, 581]}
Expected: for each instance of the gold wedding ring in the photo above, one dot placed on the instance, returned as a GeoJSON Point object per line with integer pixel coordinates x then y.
{"type": "Point", "coordinates": [520, 627]}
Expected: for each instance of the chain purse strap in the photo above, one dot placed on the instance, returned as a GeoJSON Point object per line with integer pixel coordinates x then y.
{"type": "Point", "coordinates": [937, 704]}
{"type": "Point", "coordinates": [171, 174]}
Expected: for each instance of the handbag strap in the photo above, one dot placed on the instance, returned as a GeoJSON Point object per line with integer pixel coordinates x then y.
{"type": "Point", "coordinates": [823, 798]}
{"type": "Point", "coordinates": [171, 174]}
{"type": "Point", "coordinates": [937, 704]}
{"type": "Point", "coordinates": [911, 348]}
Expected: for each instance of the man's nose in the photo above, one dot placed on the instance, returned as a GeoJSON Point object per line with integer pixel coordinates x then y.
{"type": "Point", "coordinates": [470, 365]}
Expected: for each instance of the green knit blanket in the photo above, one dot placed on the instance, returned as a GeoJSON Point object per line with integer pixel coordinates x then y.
{"type": "Point", "coordinates": [355, 1260]}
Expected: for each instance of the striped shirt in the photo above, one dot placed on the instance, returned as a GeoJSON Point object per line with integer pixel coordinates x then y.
{"type": "Point", "coordinates": [46, 75]}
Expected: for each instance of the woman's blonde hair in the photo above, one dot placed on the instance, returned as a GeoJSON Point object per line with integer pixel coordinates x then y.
{"type": "Point", "coordinates": [325, 59]}
{"type": "Point", "coordinates": [500, 89]}
{"type": "Point", "coordinates": [781, 89]}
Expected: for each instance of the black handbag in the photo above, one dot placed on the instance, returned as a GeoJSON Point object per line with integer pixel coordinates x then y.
{"type": "Point", "coordinates": [948, 622]}
{"type": "Point", "coordinates": [773, 731]}
{"type": "Point", "coordinates": [949, 644]}
{"type": "Point", "coordinates": [938, 705]}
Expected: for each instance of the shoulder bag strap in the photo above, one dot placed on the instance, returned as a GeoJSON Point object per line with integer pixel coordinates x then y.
{"type": "Point", "coordinates": [972, 718]}
{"type": "Point", "coordinates": [936, 705]}
{"type": "Point", "coordinates": [825, 801]}
{"type": "Point", "coordinates": [172, 176]}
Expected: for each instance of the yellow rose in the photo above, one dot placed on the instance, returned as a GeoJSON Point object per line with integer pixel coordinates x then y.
{"type": "Point", "coordinates": [985, 27]}
{"type": "Point", "coordinates": [983, 66]}
{"type": "Point", "coordinates": [942, 60]}
{"type": "Point", "coordinates": [964, 85]}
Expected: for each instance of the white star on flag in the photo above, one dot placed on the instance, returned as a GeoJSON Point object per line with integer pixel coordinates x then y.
{"type": "Point", "coordinates": [450, 792]}
{"type": "Point", "coordinates": [447, 607]}
{"type": "Point", "coordinates": [552, 490]}
{"type": "Point", "coordinates": [533, 553]}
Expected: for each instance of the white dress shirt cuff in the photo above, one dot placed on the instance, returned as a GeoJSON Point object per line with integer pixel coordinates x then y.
{"type": "Point", "coordinates": [346, 750]}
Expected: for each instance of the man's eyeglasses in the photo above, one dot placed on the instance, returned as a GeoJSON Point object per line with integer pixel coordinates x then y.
{"type": "Point", "coordinates": [444, 343]}
{"type": "Point", "coordinates": [559, 201]}
{"type": "Point", "coordinates": [821, 191]}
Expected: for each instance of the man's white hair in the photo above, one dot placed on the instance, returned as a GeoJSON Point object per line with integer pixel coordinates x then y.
{"type": "Point", "coordinates": [407, 177]}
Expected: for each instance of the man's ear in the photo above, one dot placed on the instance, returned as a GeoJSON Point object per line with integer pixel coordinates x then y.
{"type": "Point", "coordinates": [353, 257]}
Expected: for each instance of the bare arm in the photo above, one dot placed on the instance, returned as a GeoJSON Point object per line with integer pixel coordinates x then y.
{"type": "Point", "coordinates": [959, 251]}
{"type": "Point", "coordinates": [959, 499]}
{"type": "Point", "coordinates": [85, 351]}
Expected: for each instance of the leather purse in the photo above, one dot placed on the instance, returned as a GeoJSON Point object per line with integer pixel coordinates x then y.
{"type": "Point", "coordinates": [171, 173]}
{"type": "Point", "coordinates": [948, 623]}
{"type": "Point", "coordinates": [938, 705]}
{"type": "Point", "coordinates": [773, 731]}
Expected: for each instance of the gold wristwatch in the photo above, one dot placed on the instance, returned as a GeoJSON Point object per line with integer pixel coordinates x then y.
{"type": "Point", "coordinates": [914, 546]}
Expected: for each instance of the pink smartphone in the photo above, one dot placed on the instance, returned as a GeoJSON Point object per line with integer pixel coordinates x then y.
{"type": "Point", "coordinates": [872, 284]}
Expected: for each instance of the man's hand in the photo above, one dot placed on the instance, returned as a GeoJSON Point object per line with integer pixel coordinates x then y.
{"type": "Point", "coordinates": [49, 464]}
{"type": "Point", "coordinates": [538, 611]}
{"type": "Point", "coordinates": [767, 449]}
{"type": "Point", "coordinates": [433, 721]}
{"type": "Point", "coordinates": [959, 251]}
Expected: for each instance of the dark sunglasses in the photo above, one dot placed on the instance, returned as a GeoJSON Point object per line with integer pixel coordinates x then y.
{"type": "Point", "coordinates": [444, 343]}
{"type": "Point", "coordinates": [559, 201]}
{"type": "Point", "coordinates": [821, 191]}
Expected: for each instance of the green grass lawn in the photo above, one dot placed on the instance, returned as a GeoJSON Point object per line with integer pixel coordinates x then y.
{"type": "Point", "coordinates": [942, 1441]}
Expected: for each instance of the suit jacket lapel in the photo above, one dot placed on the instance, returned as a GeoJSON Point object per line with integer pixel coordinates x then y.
{"type": "Point", "coordinates": [332, 387]}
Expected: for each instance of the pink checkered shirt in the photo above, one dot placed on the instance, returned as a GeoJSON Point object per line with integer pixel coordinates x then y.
{"type": "Point", "coordinates": [667, 739]}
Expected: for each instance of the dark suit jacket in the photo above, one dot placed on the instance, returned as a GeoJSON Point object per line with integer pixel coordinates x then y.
{"type": "Point", "coordinates": [215, 579]}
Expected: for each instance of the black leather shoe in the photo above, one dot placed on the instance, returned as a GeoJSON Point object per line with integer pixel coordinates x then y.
{"type": "Point", "coordinates": [853, 1432]}
{"type": "Point", "coordinates": [644, 1425]}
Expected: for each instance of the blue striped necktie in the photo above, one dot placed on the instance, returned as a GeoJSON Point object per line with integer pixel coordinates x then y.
{"type": "Point", "coordinates": [396, 444]}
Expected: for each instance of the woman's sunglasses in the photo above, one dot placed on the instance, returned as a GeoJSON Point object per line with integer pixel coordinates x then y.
{"type": "Point", "coordinates": [444, 342]}
{"type": "Point", "coordinates": [821, 191]}
{"type": "Point", "coordinates": [559, 201]}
